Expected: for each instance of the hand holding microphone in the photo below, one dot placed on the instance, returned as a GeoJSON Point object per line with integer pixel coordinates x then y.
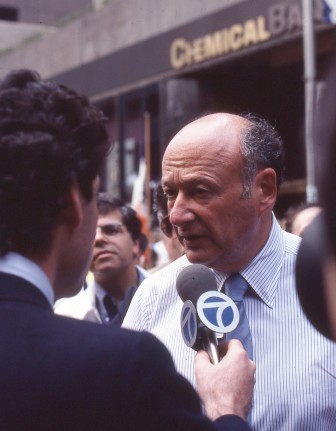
{"type": "Point", "coordinates": [206, 312]}
{"type": "Point", "coordinates": [226, 388]}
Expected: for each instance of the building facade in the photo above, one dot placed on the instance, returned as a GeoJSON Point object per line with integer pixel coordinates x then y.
{"type": "Point", "coordinates": [152, 66]}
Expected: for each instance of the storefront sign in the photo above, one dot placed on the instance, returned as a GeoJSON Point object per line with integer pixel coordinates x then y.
{"type": "Point", "coordinates": [236, 29]}
{"type": "Point", "coordinates": [280, 18]}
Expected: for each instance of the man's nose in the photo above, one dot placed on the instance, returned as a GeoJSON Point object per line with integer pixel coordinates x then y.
{"type": "Point", "coordinates": [180, 212]}
{"type": "Point", "coordinates": [100, 238]}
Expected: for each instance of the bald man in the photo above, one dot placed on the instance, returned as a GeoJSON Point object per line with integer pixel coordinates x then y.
{"type": "Point", "coordinates": [221, 175]}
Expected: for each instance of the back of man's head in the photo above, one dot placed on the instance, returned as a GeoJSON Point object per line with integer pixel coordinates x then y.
{"type": "Point", "coordinates": [50, 138]}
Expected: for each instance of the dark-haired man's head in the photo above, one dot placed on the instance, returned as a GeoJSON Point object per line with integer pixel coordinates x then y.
{"type": "Point", "coordinates": [53, 143]}
{"type": "Point", "coordinates": [50, 139]}
{"type": "Point", "coordinates": [107, 203]}
{"type": "Point", "coordinates": [116, 245]}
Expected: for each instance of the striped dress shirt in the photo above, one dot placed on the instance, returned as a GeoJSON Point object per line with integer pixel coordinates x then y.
{"type": "Point", "coordinates": [296, 366]}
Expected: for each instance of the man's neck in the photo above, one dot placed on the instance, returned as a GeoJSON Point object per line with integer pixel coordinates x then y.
{"type": "Point", "coordinates": [117, 283]}
{"type": "Point", "coordinates": [21, 266]}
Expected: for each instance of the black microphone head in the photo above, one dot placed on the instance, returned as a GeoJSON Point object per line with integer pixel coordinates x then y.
{"type": "Point", "coordinates": [312, 255]}
{"type": "Point", "coordinates": [193, 281]}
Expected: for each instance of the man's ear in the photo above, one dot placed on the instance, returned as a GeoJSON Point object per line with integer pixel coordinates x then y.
{"type": "Point", "coordinates": [72, 214]}
{"type": "Point", "coordinates": [266, 184]}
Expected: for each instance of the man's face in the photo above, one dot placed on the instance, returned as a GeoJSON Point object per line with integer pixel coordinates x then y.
{"type": "Point", "coordinates": [114, 248]}
{"type": "Point", "coordinates": [76, 253]}
{"type": "Point", "coordinates": [202, 178]}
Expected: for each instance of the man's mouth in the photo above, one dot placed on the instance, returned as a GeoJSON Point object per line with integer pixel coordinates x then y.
{"type": "Point", "coordinates": [104, 253]}
{"type": "Point", "coordinates": [190, 239]}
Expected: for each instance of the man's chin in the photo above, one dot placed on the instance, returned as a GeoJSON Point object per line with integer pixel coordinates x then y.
{"type": "Point", "coordinates": [196, 256]}
{"type": "Point", "coordinates": [69, 293]}
{"type": "Point", "coordinates": [210, 261]}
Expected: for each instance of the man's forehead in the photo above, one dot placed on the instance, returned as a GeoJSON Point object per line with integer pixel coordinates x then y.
{"type": "Point", "coordinates": [217, 121]}
{"type": "Point", "coordinates": [214, 131]}
{"type": "Point", "coordinates": [110, 216]}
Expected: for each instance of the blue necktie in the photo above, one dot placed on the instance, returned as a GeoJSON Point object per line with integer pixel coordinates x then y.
{"type": "Point", "coordinates": [235, 287]}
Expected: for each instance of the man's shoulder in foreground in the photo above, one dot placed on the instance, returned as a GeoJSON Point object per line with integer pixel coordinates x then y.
{"type": "Point", "coordinates": [81, 306]}
{"type": "Point", "coordinates": [76, 374]}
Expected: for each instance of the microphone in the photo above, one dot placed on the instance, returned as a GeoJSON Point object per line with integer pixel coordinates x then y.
{"type": "Point", "coordinates": [205, 311]}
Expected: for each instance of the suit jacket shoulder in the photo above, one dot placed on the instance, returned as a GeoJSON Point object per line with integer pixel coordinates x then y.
{"type": "Point", "coordinates": [59, 373]}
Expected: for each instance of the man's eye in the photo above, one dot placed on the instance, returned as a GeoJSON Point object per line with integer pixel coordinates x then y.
{"type": "Point", "coordinates": [201, 192]}
{"type": "Point", "coordinates": [169, 194]}
{"type": "Point", "coordinates": [110, 230]}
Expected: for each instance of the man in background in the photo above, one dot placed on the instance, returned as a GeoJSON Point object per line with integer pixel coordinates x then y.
{"type": "Point", "coordinates": [116, 274]}
{"type": "Point", "coordinates": [169, 241]}
{"type": "Point", "coordinates": [221, 175]}
{"type": "Point", "coordinates": [58, 373]}
{"type": "Point", "coordinates": [299, 217]}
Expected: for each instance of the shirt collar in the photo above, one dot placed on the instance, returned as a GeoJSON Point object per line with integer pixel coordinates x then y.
{"type": "Point", "coordinates": [142, 274]}
{"type": "Point", "coordinates": [101, 292]}
{"type": "Point", "coordinates": [262, 273]}
{"type": "Point", "coordinates": [16, 264]}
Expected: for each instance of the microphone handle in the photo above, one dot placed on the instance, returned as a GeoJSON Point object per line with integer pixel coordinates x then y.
{"type": "Point", "coordinates": [210, 344]}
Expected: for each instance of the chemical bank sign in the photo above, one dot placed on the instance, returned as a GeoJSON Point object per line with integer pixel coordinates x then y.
{"type": "Point", "coordinates": [244, 26]}
{"type": "Point", "coordinates": [280, 18]}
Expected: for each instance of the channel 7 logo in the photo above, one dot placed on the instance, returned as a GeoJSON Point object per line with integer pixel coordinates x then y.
{"type": "Point", "coordinates": [214, 310]}
{"type": "Point", "coordinates": [218, 312]}
{"type": "Point", "coordinates": [189, 323]}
